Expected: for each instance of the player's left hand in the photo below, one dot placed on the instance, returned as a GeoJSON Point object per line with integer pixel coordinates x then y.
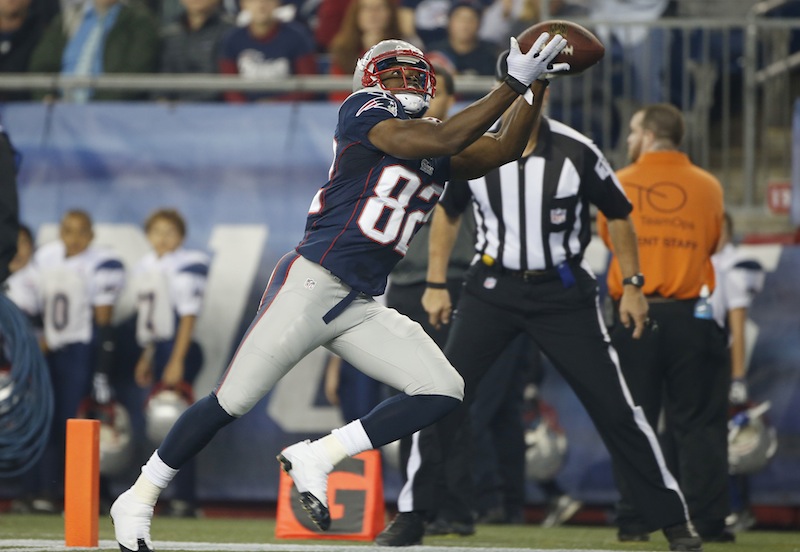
{"type": "Point", "coordinates": [101, 389]}
{"type": "Point", "coordinates": [633, 309]}
{"type": "Point", "coordinates": [738, 392]}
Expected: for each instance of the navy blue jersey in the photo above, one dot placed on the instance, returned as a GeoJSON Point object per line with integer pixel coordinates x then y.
{"type": "Point", "coordinates": [361, 221]}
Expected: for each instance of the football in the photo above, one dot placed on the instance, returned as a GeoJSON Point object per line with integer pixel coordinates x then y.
{"type": "Point", "coordinates": [583, 48]}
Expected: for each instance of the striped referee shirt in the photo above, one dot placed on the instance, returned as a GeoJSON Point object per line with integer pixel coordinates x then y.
{"type": "Point", "coordinates": [533, 213]}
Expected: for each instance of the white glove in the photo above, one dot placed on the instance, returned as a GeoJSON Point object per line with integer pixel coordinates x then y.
{"type": "Point", "coordinates": [538, 61]}
{"type": "Point", "coordinates": [101, 389]}
{"type": "Point", "coordinates": [738, 392]}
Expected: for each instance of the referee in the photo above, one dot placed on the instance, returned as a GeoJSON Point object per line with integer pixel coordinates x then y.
{"type": "Point", "coordinates": [533, 221]}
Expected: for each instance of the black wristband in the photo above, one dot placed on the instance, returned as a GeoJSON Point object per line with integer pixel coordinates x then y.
{"type": "Point", "coordinates": [104, 349]}
{"type": "Point", "coordinates": [436, 285]}
{"type": "Point", "coordinates": [515, 85]}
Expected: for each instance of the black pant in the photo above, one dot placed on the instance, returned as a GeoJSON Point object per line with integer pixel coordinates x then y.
{"type": "Point", "coordinates": [407, 299]}
{"type": "Point", "coordinates": [682, 366]}
{"type": "Point", "coordinates": [496, 306]}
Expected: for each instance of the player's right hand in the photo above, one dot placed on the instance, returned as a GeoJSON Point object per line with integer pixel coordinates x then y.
{"type": "Point", "coordinates": [438, 305]}
{"type": "Point", "coordinates": [538, 61]}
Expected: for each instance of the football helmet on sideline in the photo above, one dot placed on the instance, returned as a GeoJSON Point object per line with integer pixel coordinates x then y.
{"type": "Point", "coordinates": [163, 408]}
{"type": "Point", "coordinates": [116, 434]}
{"type": "Point", "coordinates": [752, 440]}
{"type": "Point", "coordinates": [546, 445]}
{"type": "Point", "coordinates": [388, 56]}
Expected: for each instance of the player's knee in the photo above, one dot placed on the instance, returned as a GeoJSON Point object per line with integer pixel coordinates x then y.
{"type": "Point", "coordinates": [233, 404]}
{"type": "Point", "coordinates": [448, 383]}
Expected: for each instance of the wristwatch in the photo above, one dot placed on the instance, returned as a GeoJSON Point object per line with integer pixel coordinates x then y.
{"type": "Point", "coordinates": [635, 280]}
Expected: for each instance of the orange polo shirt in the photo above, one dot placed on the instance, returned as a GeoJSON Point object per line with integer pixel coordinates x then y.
{"type": "Point", "coordinates": [677, 212]}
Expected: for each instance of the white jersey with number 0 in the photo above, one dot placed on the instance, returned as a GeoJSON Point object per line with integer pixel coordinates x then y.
{"type": "Point", "coordinates": [69, 288]}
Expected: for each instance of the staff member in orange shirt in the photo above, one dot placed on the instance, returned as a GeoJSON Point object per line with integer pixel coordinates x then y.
{"type": "Point", "coordinates": [680, 362]}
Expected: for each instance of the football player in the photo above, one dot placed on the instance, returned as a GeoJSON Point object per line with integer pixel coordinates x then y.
{"type": "Point", "coordinates": [76, 286]}
{"type": "Point", "coordinates": [170, 283]}
{"type": "Point", "coordinates": [389, 168]}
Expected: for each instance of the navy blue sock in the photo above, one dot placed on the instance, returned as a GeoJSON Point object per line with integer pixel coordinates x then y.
{"type": "Point", "coordinates": [193, 431]}
{"type": "Point", "coordinates": [403, 414]}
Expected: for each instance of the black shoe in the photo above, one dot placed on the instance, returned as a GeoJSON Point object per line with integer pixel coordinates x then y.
{"type": "Point", "coordinates": [494, 515]}
{"type": "Point", "coordinates": [180, 509]}
{"type": "Point", "coordinates": [561, 510]}
{"type": "Point", "coordinates": [21, 506]}
{"type": "Point", "coordinates": [623, 536]}
{"type": "Point", "coordinates": [683, 537]}
{"type": "Point", "coordinates": [740, 521]}
{"type": "Point", "coordinates": [45, 506]}
{"type": "Point", "coordinates": [441, 526]}
{"type": "Point", "coordinates": [725, 535]}
{"type": "Point", "coordinates": [406, 529]}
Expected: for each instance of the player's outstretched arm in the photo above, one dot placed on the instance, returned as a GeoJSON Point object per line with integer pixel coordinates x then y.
{"type": "Point", "coordinates": [420, 138]}
{"type": "Point", "coordinates": [507, 144]}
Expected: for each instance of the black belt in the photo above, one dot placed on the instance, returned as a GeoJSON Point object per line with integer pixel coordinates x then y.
{"type": "Point", "coordinates": [526, 275]}
{"type": "Point", "coordinates": [656, 298]}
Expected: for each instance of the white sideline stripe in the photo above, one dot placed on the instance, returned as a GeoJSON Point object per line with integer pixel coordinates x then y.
{"type": "Point", "coordinates": [39, 545]}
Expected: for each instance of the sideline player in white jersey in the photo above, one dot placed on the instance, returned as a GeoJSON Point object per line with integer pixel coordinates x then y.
{"type": "Point", "coordinates": [739, 279]}
{"type": "Point", "coordinates": [76, 287]}
{"type": "Point", "coordinates": [170, 283]}
{"type": "Point", "coordinates": [389, 169]}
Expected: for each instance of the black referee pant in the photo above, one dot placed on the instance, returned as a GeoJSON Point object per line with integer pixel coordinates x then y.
{"type": "Point", "coordinates": [682, 365]}
{"type": "Point", "coordinates": [407, 299]}
{"type": "Point", "coordinates": [495, 306]}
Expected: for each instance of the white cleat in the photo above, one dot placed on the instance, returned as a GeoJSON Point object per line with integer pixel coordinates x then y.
{"type": "Point", "coordinates": [310, 475]}
{"type": "Point", "coordinates": [131, 518]}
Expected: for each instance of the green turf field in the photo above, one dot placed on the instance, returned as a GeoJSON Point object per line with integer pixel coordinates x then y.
{"type": "Point", "coordinates": [35, 533]}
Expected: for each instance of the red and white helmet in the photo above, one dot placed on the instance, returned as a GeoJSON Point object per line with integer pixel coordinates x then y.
{"type": "Point", "coordinates": [163, 408]}
{"type": "Point", "coordinates": [390, 56]}
{"type": "Point", "coordinates": [752, 440]}
{"type": "Point", "coordinates": [116, 434]}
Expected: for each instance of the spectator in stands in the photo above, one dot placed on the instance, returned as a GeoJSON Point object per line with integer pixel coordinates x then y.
{"type": "Point", "coordinates": [532, 13]}
{"type": "Point", "coordinates": [505, 18]}
{"type": "Point", "coordinates": [641, 49]}
{"type": "Point", "coordinates": [367, 22]}
{"type": "Point", "coordinates": [267, 48]}
{"type": "Point", "coordinates": [425, 21]}
{"type": "Point", "coordinates": [170, 283]}
{"type": "Point", "coordinates": [330, 17]}
{"type": "Point", "coordinates": [192, 42]}
{"type": "Point", "coordinates": [470, 55]}
{"type": "Point", "coordinates": [21, 26]}
{"type": "Point", "coordinates": [95, 38]}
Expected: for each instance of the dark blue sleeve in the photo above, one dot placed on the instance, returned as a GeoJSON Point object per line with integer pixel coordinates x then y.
{"type": "Point", "coordinates": [362, 111]}
{"type": "Point", "coordinates": [456, 197]}
{"type": "Point", "coordinates": [229, 49]}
